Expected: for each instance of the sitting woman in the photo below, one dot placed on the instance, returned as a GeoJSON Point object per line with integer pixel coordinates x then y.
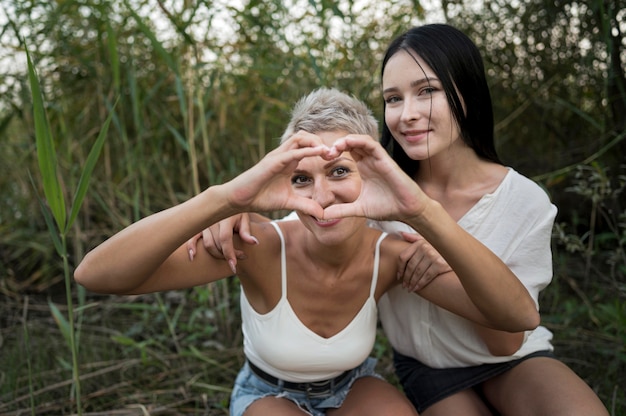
{"type": "Point", "coordinates": [309, 292]}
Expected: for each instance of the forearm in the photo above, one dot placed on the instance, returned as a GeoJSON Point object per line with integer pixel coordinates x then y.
{"type": "Point", "coordinates": [130, 257]}
{"type": "Point", "coordinates": [495, 291]}
{"type": "Point", "coordinates": [500, 343]}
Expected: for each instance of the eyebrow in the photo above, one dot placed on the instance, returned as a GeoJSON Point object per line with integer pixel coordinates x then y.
{"type": "Point", "coordinates": [425, 80]}
{"type": "Point", "coordinates": [339, 159]}
{"type": "Point", "coordinates": [329, 164]}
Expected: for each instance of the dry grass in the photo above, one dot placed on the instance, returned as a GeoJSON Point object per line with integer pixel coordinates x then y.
{"type": "Point", "coordinates": [147, 373]}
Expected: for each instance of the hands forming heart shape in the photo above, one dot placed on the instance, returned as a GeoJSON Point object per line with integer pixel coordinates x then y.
{"type": "Point", "coordinates": [386, 191]}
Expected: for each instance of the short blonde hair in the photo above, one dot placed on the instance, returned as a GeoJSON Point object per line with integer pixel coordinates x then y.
{"type": "Point", "coordinates": [328, 109]}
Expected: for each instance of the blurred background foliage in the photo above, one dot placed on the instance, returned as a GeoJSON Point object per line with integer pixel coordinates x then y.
{"type": "Point", "coordinates": [204, 91]}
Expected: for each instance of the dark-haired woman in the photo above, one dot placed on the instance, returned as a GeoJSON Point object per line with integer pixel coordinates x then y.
{"type": "Point", "coordinates": [439, 128]}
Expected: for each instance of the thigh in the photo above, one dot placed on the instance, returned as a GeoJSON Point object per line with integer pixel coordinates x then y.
{"type": "Point", "coordinates": [545, 386]}
{"type": "Point", "coordinates": [466, 403]}
{"type": "Point", "coordinates": [273, 406]}
{"type": "Point", "coordinates": [371, 396]}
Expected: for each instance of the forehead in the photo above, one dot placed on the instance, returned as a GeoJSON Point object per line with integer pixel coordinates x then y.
{"type": "Point", "coordinates": [317, 162]}
{"type": "Point", "coordinates": [406, 65]}
{"type": "Point", "coordinates": [330, 137]}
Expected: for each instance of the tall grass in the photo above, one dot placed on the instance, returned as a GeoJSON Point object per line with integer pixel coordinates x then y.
{"type": "Point", "coordinates": [55, 210]}
{"type": "Point", "coordinates": [194, 109]}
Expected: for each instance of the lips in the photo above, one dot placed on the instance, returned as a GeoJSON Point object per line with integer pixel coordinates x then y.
{"type": "Point", "coordinates": [415, 135]}
{"type": "Point", "coordinates": [326, 223]}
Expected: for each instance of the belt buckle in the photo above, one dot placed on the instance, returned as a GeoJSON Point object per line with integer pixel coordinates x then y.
{"type": "Point", "coordinates": [319, 388]}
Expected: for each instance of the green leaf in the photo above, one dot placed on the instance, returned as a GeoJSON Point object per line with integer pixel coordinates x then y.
{"type": "Point", "coordinates": [158, 47]}
{"type": "Point", "coordinates": [123, 340]}
{"type": "Point", "coordinates": [54, 232]}
{"type": "Point", "coordinates": [115, 61]}
{"type": "Point", "coordinates": [61, 321]}
{"type": "Point", "coordinates": [90, 164]}
{"type": "Point", "coordinates": [45, 151]}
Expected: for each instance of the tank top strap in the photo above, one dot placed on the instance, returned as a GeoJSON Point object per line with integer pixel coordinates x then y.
{"type": "Point", "coordinates": [376, 263]}
{"type": "Point", "coordinates": [283, 260]}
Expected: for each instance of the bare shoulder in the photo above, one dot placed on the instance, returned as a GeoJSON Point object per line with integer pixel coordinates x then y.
{"type": "Point", "coordinates": [267, 236]}
{"type": "Point", "coordinates": [393, 245]}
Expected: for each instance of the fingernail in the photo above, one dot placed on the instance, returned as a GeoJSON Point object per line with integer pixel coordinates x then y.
{"type": "Point", "coordinates": [255, 240]}
{"type": "Point", "coordinates": [191, 255]}
{"type": "Point", "coordinates": [233, 268]}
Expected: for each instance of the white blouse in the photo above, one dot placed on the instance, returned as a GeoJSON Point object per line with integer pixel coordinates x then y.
{"type": "Point", "coordinates": [515, 222]}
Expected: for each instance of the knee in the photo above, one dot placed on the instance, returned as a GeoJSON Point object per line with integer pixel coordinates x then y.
{"type": "Point", "coordinates": [398, 408]}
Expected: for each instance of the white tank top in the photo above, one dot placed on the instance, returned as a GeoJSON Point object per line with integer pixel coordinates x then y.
{"type": "Point", "coordinates": [281, 345]}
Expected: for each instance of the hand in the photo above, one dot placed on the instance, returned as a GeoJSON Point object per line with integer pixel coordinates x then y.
{"type": "Point", "coordinates": [420, 263]}
{"type": "Point", "coordinates": [387, 193]}
{"type": "Point", "coordinates": [267, 185]}
{"type": "Point", "coordinates": [218, 239]}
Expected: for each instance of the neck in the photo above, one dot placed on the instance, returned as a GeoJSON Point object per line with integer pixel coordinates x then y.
{"type": "Point", "coordinates": [342, 253]}
{"type": "Point", "coordinates": [449, 170]}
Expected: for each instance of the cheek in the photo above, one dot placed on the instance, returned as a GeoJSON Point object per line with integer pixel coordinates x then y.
{"type": "Point", "coordinates": [392, 115]}
{"type": "Point", "coordinates": [302, 192]}
{"type": "Point", "coordinates": [354, 191]}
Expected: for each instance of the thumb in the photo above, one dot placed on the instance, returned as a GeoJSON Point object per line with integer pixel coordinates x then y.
{"type": "Point", "coordinates": [411, 237]}
{"type": "Point", "coordinates": [308, 206]}
{"type": "Point", "coordinates": [341, 211]}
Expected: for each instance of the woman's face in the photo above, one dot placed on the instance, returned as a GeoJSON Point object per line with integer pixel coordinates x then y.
{"type": "Point", "coordinates": [329, 182]}
{"type": "Point", "coordinates": [416, 109]}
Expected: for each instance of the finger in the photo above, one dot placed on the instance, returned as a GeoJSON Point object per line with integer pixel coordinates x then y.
{"type": "Point", "coordinates": [407, 261]}
{"type": "Point", "coordinates": [427, 269]}
{"type": "Point", "coordinates": [303, 138]}
{"type": "Point", "coordinates": [413, 270]}
{"type": "Point", "coordinates": [422, 279]}
{"type": "Point", "coordinates": [411, 237]}
{"type": "Point", "coordinates": [298, 153]}
{"type": "Point", "coordinates": [360, 145]}
{"type": "Point", "coordinates": [191, 245]}
{"type": "Point", "coordinates": [350, 209]}
{"type": "Point", "coordinates": [244, 230]}
{"type": "Point", "coordinates": [225, 240]}
{"type": "Point", "coordinates": [211, 244]}
{"type": "Point", "coordinates": [306, 206]}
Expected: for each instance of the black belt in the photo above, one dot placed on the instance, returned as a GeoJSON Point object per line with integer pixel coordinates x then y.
{"type": "Point", "coordinates": [312, 388]}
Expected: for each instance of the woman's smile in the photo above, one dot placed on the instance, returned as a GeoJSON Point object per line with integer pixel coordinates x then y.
{"type": "Point", "coordinates": [326, 223]}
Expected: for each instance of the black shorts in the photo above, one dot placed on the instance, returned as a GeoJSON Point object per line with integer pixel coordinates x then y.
{"type": "Point", "coordinates": [425, 386]}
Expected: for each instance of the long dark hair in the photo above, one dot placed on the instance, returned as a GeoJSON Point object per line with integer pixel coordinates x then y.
{"type": "Point", "coordinates": [457, 62]}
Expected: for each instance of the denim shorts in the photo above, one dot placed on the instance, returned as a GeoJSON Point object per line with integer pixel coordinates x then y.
{"type": "Point", "coordinates": [425, 386]}
{"type": "Point", "coordinates": [249, 387]}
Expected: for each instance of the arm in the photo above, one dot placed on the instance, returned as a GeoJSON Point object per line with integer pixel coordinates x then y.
{"type": "Point", "coordinates": [139, 259]}
{"type": "Point", "coordinates": [389, 194]}
{"type": "Point", "coordinates": [448, 292]}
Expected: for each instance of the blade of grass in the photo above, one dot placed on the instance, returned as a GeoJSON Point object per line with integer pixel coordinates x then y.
{"type": "Point", "coordinates": [54, 233]}
{"type": "Point", "coordinates": [61, 321]}
{"type": "Point", "coordinates": [115, 62]}
{"type": "Point", "coordinates": [45, 150]}
{"type": "Point", "coordinates": [90, 164]}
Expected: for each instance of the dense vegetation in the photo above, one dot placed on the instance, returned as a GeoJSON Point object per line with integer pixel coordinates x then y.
{"type": "Point", "coordinates": [196, 91]}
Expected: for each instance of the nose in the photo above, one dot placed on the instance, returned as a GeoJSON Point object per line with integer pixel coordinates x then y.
{"type": "Point", "coordinates": [410, 110]}
{"type": "Point", "coordinates": [323, 193]}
